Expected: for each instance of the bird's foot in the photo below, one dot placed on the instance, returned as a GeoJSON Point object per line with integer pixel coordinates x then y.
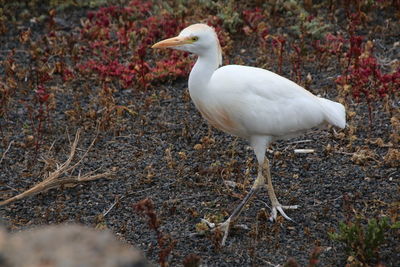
{"type": "Point", "coordinates": [223, 227]}
{"type": "Point", "coordinates": [279, 208]}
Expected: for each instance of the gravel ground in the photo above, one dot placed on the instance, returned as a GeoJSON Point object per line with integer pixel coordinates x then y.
{"type": "Point", "coordinates": [167, 152]}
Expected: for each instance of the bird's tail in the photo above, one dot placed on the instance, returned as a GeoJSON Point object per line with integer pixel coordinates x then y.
{"type": "Point", "coordinates": [334, 112]}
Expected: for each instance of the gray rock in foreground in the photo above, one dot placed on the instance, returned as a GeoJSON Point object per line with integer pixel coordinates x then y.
{"type": "Point", "coordinates": [66, 245]}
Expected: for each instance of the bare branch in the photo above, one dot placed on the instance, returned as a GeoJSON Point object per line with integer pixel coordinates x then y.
{"type": "Point", "coordinates": [54, 178]}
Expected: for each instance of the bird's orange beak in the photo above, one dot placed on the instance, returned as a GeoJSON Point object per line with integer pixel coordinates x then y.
{"type": "Point", "coordinates": [171, 42]}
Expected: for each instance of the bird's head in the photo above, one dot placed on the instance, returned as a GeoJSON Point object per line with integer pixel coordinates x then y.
{"type": "Point", "coordinates": [199, 39]}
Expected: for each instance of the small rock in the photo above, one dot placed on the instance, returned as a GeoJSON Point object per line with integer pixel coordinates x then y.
{"type": "Point", "coordinates": [66, 245]}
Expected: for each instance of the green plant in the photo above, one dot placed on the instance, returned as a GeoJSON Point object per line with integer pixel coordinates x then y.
{"type": "Point", "coordinates": [363, 241]}
{"type": "Point", "coordinates": [226, 11]}
{"type": "Point", "coordinates": [309, 26]}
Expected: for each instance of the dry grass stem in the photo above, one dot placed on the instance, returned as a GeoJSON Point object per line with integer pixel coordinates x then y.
{"type": "Point", "coordinates": [5, 152]}
{"type": "Point", "coordinates": [57, 178]}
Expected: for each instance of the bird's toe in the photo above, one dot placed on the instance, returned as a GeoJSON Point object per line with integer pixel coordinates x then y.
{"type": "Point", "coordinates": [279, 208]}
{"type": "Point", "coordinates": [223, 227]}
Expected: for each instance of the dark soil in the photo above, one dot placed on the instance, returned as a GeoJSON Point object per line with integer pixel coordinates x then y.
{"type": "Point", "coordinates": [156, 154]}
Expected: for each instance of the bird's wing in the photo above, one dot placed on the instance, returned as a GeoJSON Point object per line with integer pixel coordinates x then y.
{"type": "Point", "coordinates": [261, 102]}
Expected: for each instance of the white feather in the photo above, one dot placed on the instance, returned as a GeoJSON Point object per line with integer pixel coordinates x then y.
{"type": "Point", "coordinates": [263, 103]}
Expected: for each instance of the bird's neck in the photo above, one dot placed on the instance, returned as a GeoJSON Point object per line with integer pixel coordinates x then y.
{"type": "Point", "coordinates": [201, 74]}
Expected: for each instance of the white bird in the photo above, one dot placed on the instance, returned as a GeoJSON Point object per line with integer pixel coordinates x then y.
{"type": "Point", "coordinates": [251, 103]}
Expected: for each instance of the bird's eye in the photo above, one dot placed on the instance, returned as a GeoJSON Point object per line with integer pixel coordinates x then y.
{"type": "Point", "coordinates": [195, 38]}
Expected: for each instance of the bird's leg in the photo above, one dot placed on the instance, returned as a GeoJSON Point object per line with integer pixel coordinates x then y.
{"type": "Point", "coordinates": [276, 206]}
{"type": "Point", "coordinates": [258, 183]}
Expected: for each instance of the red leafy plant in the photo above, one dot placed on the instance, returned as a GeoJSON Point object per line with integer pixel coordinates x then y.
{"type": "Point", "coordinates": [35, 81]}
{"type": "Point", "coordinates": [8, 82]}
{"type": "Point", "coordinates": [331, 45]}
{"type": "Point", "coordinates": [165, 243]}
{"type": "Point", "coordinates": [364, 79]}
{"type": "Point", "coordinates": [118, 39]}
{"type": "Point", "coordinates": [255, 22]}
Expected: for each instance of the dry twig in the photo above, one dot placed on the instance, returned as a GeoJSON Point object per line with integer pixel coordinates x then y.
{"type": "Point", "coordinates": [5, 152]}
{"type": "Point", "coordinates": [303, 151]}
{"type": "Point", "coordinates": [56, 179]}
